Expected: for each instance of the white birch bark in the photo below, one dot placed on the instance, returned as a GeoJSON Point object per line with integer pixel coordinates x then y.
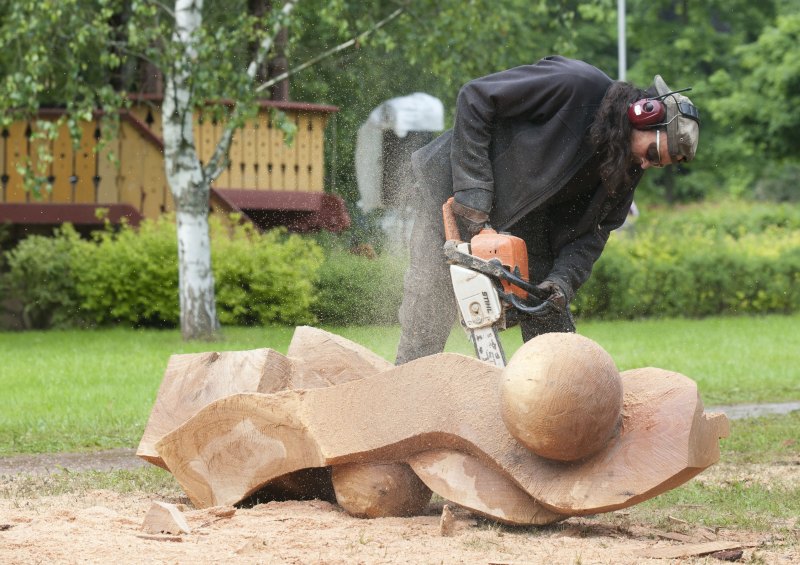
{"type": "Point", "coordinates": [189, 187]}
{"type": "Point", "coordinates": [189, 182]}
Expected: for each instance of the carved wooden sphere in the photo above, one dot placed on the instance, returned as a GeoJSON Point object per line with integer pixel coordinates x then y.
{"type": "Point", "coordinates": [379, 490]}
{"type": "Point", "coordinates": [561, 396]}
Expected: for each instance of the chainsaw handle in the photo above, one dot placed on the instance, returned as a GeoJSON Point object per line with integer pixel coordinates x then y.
{"type": "Point", "coordinates": [451, 231]}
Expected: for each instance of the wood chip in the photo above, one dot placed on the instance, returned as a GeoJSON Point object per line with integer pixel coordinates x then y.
{"type": "Point", "coordinates": [728, 555]}
{"type": "Point", "coordinates": [222, 511]}
{"type": "Point", "coordinates": [693, 549]}
{"type": "Point", "coordinates": [675, 520]}
{"type": "Point", "coordinates": [675, 536]}
{"type": "Point", "coordinates": [165, 518]}
{"type": "Point", "coordinates": [160, 538]}
{"type": "Point", "coordinates": [705, 534]}
{"type": "Point", "coordinates": [447, 523]}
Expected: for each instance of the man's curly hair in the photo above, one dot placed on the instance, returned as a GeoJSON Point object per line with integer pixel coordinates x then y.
{"type": "Point", "coordinates": [610, 134]}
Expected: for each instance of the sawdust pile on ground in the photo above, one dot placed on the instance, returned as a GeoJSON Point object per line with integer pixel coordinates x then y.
{"type": "Point", "coordinates": [106, 527]}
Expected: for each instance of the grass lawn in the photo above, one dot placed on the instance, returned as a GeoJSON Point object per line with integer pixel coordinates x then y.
{"type": "Point", "coordinates": [85, 390]}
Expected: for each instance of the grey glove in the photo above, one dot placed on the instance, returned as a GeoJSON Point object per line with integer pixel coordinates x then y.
{"type": "Point", "coordinates": [470, 221]}
{"type": "Point", "coordinates": [557, 295]}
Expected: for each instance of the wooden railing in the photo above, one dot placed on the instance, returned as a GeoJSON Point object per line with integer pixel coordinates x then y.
{"type": "Point", "coordinates": [259, 158]}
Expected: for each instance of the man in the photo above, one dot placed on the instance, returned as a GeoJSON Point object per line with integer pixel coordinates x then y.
{"type": "Point", "coordinates": [550, 152]}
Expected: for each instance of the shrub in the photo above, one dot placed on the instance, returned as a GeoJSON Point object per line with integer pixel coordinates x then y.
{"type": "Point", "coordinates": [736, 219]}
{"type": "Point", "coordinates": [780, 184]}
{"type": "Point", "coordinates": [704, 267]}
{"type": "Point", "coordinates": [40, 275]}
{"type": "Point", "coordinates": [130, 276]}
{"type": "Point", "coordinates": [264, 278]}
{"type": "Point", "coordinates": [358, 289]}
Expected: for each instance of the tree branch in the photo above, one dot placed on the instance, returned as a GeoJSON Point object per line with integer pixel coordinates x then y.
{"type": "Point", "coordinates": [330, 52]}
{"type": "Point", "coordinates": [163, 7]}
{"type": "Point", "coordinates": [214, 167]}
{"type": "Point", "coordinates": [266, 44]}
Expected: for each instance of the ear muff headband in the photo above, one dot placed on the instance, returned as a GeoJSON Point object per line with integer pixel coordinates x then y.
{"type": "Point", "coordinates": [649, 112]}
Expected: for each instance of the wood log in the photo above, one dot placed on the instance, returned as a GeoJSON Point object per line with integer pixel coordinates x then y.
{"type": "Point", "coordinates": [379, 490]}
{"type": "Point", "coordinates": [445, 401]}
{"type": "Point", "coordinates": [192, 381]}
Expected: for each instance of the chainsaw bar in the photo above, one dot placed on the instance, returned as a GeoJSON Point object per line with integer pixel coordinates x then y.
{"type": "Point", "coordinates": [487, 346]}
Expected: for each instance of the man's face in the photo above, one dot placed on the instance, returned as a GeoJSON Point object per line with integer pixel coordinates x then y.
{"type": "Point", "coordinates": [649, 148]}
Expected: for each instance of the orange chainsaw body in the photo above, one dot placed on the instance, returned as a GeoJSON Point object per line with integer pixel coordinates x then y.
{"type": "Point", "coordinates": [509, 249]}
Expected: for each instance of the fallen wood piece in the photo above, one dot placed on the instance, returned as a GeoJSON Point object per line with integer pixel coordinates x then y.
{"type": "Point", "coordinates": [160, 537]}
{"type": "Point", "coordinates": [691, 550]}
{"type": "Point", "coordinates": [214, 514]}
{"type": "Point", "coordinates": [471, 483]}
{"type": "Point", "coordinates": [165, 518]}
{"type": "Point", "coordinates": [676, 536]}
{"type": "Point", "coordinates": [728, 555]}
{"type": "Point", "coordinates": [446, 401]}
{"type": "Point", "coordinates": [379, 490]}
{"type": "Point", "coordinates": [447, 523]}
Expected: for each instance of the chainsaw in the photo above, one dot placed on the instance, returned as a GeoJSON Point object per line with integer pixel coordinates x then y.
{"type": "Point", "coordinates": [490, 281]}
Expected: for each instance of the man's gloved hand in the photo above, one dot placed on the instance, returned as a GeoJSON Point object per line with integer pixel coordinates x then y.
{"type": "Point", "coordinates": [470, 221]}
{"type": "Point", "coordinates": [556, 294]}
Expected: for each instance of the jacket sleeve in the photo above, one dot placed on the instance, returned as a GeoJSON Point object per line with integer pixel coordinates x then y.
{"type": "Point", "coordinates": [575, 260]}
{"type": "Point", "coordinates": [529, 92]}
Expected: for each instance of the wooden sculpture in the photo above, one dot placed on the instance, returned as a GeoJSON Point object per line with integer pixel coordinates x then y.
{"type": "Point", "coordinates": [561, 397]}
{"type": "Point", "coordinates": [508, 443]}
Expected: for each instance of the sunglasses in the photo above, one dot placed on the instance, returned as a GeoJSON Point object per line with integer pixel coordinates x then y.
{"type": "Point", "coordinates": [654, 151]}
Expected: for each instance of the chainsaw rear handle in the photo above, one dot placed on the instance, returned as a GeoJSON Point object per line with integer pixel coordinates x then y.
{"type": "Point", "coordinates": [493, 268]}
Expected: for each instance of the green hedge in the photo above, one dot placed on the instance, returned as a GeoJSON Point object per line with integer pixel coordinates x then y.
{"type": "Point", "coordinates": [130, 276]}
{"type": "Point", "coordinates": [724, 259]}
{"type": "Point", "coordinates": [40, 276]}
{"type": "Point", "coordinates": [267, 278]}
{"type": "Point", "coordinates": [360, 290]}
{"type": "Point", "coordinates": [731, 259]}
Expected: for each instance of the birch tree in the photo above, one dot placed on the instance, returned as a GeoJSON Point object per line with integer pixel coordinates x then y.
{"type": "Point", "coordinates": [84, 53]}
{"type": "Point", "coordinates": [190, 181]}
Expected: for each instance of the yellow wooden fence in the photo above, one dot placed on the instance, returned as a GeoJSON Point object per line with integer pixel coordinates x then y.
{"type": "Point", "coordinates": [259, 158]}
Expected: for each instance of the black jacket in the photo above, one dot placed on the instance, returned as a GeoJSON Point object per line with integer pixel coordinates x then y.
{"type": "Point", "coordinates": [519, 136]}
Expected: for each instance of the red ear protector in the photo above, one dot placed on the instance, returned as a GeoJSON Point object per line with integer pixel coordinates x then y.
{"type": "Point", "coordinates": [649, 112]}
{"type": "Point", "coordinates": [646, 113]}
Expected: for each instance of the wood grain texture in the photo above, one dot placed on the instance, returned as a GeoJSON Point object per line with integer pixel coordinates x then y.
{"type": "Point", "coordinates": [474, 484]}
{"type": "Point", "coordinates": [561, 396]}
{"type": "Point", "coordinates": [192, 381]}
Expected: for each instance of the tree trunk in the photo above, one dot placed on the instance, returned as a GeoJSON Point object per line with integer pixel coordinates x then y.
{"type": "Point", "coordinates": [189, 186]}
